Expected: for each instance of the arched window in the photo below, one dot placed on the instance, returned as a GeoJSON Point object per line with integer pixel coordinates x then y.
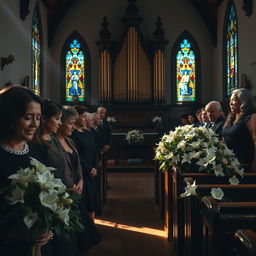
{"type": "Point", "coordinates": [186, 67]}
{"type": "Point", "coordinates": [36, 78]}
{"type": "Point", "coordinates": [76, 61]}
{"type": "Point", "coordinates": [230, 51]}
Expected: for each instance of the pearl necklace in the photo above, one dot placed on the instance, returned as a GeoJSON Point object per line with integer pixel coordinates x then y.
{"type": "Point", "coordinates": [24, 151]}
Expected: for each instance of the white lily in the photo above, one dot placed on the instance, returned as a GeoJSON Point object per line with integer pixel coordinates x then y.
{"type": "Point", "coordinates": [49, 199]}
{"type": "Point", "coordinates": [234, 180]}
{"type": "Point", "coordinates": [186, 159]}
{"type": "Point", "coordinates": [190, 190]}
{"type": "Point", "coordinates": [218, 170]}
{"type": "Point", "coordinates": [63, 214]}
{"type": "Point", "coordinates": [217, 193]}
{"type": "Point", "coordinates": [30, 219]}
{"type": "Point", "coordinates": [40, 167]}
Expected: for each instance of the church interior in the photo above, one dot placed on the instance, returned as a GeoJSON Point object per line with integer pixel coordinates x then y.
{"type": "Point", "coordinates": [142, 59]}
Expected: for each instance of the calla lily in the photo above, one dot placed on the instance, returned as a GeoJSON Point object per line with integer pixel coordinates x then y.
{"type": "Point", "coordinates": [63, 214]}
{"type": "Point", "coordinates": [49, 199]}
{"type": "Point", "coordinates": [30, 219]}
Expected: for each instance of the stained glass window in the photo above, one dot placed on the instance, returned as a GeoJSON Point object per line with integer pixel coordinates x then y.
{"type": "Point", "coordinates": [75, 73]}
{"type": "Point", "coordinates": [36, 52]}
{"type": "Point", "coordinates": [185, 72]}
{"type": "Point", "coordinates": [231, 51]}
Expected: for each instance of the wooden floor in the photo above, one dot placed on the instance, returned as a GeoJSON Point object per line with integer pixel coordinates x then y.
{"type": "Point", "coordinates": [130, 223]}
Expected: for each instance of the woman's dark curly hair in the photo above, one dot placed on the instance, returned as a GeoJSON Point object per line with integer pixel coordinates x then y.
{"type": "Point", "coordinates": [13, 105]}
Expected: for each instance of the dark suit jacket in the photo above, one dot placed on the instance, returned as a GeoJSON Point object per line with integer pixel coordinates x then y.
{"type": "Point", "coordinates": [105, 131]}
{"type": "Point", "coordinates": [218, 125]}
{"type": "Point", "coordinates": [67, 172]}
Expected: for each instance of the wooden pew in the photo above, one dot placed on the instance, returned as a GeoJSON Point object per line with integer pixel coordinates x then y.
{"type": "Point", "coordinates": [101, 182]}
{"type": "Point", "coordinates": [190, 228]}
{"type": "Point", "coordinates": [220, 222]}
{"type": "Point", "coordinates": [244, 243]}
{"type": "Point", "coordinates": [176, 186]}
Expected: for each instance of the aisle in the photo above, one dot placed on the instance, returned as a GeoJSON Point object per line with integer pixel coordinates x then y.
{"type": "Point", "coordinates": [130, 224]}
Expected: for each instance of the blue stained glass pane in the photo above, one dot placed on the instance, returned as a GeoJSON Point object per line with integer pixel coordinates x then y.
{"type": "Point", "coordinates": [231, 52]}
{"type": "Point", "coordinates": [185, 73]}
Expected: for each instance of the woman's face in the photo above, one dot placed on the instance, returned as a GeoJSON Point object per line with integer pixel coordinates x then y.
{"type": "Point", "coordinates": [68, 126]}
{"type": "Point", "coordinates": [29, 122]}
{"type": "Point", "coordinates": [53, 123]}
{"type": "Point", "coordinates": [89, 122]}
{"type": "Point", "coordinates": [81, 120]}
{"type": "Point", "coordinates": [235, 103]}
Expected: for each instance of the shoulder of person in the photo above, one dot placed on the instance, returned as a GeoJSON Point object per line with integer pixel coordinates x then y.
{"type": "Point", "coordinates": [253, 116]}
{"type": "Point", "coordinates": [70, 141]}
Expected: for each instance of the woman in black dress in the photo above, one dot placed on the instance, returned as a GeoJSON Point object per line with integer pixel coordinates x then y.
{"type": "Point", "coordinates": [239, 130]}
{"type": "Point", "coordinates": [20, 113]}
{"type": "Point", "coordinates": [73, 176]}
{"type": "Point", "coordinates": [88, 153]}
{"type": "Point", "coordinates": [51, 121]}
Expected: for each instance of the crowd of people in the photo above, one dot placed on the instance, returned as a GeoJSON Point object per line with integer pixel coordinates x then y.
{"type": "Point", "coordinates": [71, 140]}
{"type": "Point", "coordinates": [237, 129]}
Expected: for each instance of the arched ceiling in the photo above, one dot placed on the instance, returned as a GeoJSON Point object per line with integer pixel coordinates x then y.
{"type": "Point", "coordinates": [56, 9]}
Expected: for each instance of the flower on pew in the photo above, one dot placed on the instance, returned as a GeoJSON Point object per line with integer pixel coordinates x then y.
{"type": "Point", "coordinates": [217, 193]}
{"type": "Point", "coordinates": [193, 149]}
{"type": "Point", "coordinates": [111, 121]}
{"type": "Point", "coordinates": [190, 190]}
{"type": "Point", "coordinates": [156, 120]}
{"type": "Point", "coordinates": [39, 202]}
{"type": "Point", "coordinates": [234, 180]}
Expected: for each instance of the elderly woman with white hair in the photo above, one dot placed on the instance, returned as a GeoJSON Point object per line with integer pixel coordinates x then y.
{"type": "Point", "coordinates": [239, 130]}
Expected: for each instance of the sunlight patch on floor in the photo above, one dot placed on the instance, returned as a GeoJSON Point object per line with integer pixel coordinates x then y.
{"type": "Point", "coordinates": [144, 230]}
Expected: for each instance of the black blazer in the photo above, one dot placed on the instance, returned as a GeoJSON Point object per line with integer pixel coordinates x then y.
{"type": "Point", "coordinates": [218, 125]}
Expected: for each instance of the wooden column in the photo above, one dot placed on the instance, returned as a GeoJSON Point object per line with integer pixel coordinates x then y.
{"type": "Point", "coordinates": [105, 63]}
{"type": "Point", "coordinates": [158, 46]}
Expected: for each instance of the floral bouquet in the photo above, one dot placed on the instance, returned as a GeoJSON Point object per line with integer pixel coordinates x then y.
{"type": "Point", "coordinates": [134, 137]}
{"type": "Point", "coordinates": [39, 202]}
{"type": "Point", "coordinates": [194, 149]}
{"type": "Point", "coordinates": [111, 121]}
{"type": "Point", "coordinates": [157, 120]}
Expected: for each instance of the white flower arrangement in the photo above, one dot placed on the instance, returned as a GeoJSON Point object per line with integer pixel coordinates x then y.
{"type": "Point", "coordinates": [134, 137]}
{"type": "Point", "coordinates": [157, 119]}
{"type": "Point", "coordinates": [40, 201]}
{"type": "Point", "coordinates": [193, 149]}
{"type": "Point", "coordinates": [111, 120]}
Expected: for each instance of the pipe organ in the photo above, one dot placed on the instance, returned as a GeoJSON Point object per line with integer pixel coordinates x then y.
{"type": "Point", "coordinates": [133, 75]}
{"type": "Point", "coordinates": [132, 72]}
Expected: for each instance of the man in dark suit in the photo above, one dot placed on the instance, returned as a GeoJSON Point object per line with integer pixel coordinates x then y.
{"type": "Point", "coordinates": [215, 115]}
{"type": "Point", "coordinates": [104, 128]}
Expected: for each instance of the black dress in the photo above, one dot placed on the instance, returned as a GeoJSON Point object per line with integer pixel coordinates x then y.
{"type": "Point", "coordinates": [89, 159]}
{"type": "Point", "coordinates": [9, 164]}
{"type": "Point", "coordinates": [238, 138]}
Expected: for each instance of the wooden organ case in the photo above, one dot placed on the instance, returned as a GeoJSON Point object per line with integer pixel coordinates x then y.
{"type": "Point", "coordinates": [132, 75]}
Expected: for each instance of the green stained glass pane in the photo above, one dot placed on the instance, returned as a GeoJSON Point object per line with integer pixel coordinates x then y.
{"type": "Point", "coordinates": [231, 52]}
{"type": "Point", "coordinates": [185, 73]}
{"type": "Point", "coordinates": [36, 53]}
{"type": "Point", "coordinates": [75, 73]}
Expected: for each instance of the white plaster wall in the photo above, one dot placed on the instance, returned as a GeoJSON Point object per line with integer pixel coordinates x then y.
{"type": "Point", "coordinates": [246, 47]}
{"type": "Point", "coordinates": [16, 40]}
{"type": "Point", "coordinates": [85, 16]}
